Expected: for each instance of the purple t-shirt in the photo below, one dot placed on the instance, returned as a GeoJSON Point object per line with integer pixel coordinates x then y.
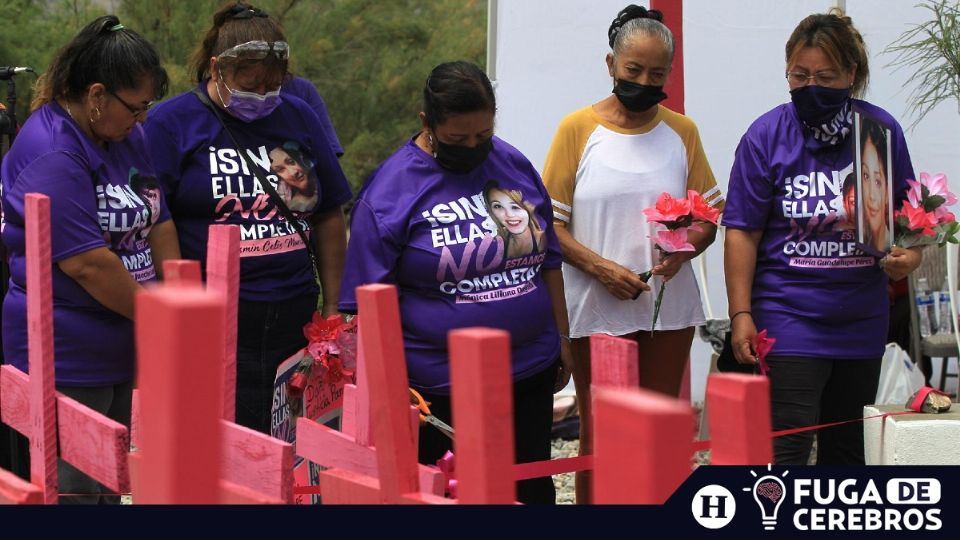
{"type": "Point", "coordinates": [814, 291]}
{"type": "Point", "coordinates": [304, 89]}
{"type": "Point", "coordinates": [428, 231]}
{"type": "Point", "coordinates": [207, 182]}
{"type": "Point", "coordinates": [99, 197]}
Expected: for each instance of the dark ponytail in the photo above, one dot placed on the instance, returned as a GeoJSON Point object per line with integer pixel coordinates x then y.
{"type": "Point", "coordinates": [103, 52]}
{"type": "Point", "coordinates": [456, 88]}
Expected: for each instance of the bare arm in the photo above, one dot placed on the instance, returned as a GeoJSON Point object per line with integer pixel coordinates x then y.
{"type": "Point", "coordinates": [330, 232]}
{"type": "Point", "coordinates": [163, 244]}
{"type": "Point", "coordinates": [701, 240]}
{"type": "Point", "coordinates": [619, 281]}
{"type": "Point", "coordinates": [554, 280]}
{"type": "Point", "coordinates": [102, 274]}
{"type": "Point", "coordinates": [739, 265]}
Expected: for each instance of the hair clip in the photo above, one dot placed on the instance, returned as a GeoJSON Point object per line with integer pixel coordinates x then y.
{"type": "Point", "coordinates": [117, 27]}
{"type": "Point", "coordinates": [241, 11]}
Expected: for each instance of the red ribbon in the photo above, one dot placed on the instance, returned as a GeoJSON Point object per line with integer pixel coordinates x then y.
{"type": "Point", "coordinates": [306, 490]}
{"type": "Point", "coordinates": [537, 469]}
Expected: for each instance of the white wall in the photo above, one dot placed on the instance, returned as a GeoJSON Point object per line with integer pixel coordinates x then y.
{"type": "Point", "coordinates": [549, 61]}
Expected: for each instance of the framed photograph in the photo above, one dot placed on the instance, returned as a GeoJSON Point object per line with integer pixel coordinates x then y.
{"type": "Point", "coordinates": [873, 186]}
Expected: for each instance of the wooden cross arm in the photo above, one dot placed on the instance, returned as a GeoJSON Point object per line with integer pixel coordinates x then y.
{"type": "Point", "coordinates": [89, 441]}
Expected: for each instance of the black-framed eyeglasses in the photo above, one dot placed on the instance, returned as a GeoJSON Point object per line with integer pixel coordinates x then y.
{"type": "Point", "coordinates": [137, 112]}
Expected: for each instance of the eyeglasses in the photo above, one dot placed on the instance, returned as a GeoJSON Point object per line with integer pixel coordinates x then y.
{"type": "Point", "coordinates": [821, 78]}
{"type": "Point", "coordinates": [258, 50]}
{"type": "Point", "coordinates": [136, 112]}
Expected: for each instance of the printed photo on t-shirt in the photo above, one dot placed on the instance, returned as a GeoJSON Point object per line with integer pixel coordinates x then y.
{"type": "Point", "coordinates": [873, 186]}
{"type": "Point", "coordinates": [297, 185]}
{"type": "Point", "coordinates": [147, 188]}
{"type": "Point", "coordinates": [515, 220]}
{"type": "Point", "coordinates": [491, 244]}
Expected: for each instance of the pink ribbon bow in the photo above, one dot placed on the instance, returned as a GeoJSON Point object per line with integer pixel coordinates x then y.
{"type": "Point", "coordinates": [763, 344]}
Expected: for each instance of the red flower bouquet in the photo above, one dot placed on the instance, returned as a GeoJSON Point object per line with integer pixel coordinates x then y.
{"type": "Point", "coordinates": [331, 348]}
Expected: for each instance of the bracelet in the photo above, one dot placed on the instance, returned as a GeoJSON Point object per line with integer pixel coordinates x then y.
{"type": "Point", "coordinates": [567, 338]}
{"type": "Point", "coordinates": [734, 316]}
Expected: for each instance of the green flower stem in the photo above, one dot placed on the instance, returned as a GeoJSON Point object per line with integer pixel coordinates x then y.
{"type": "Point", "coordinates": [656, 307]}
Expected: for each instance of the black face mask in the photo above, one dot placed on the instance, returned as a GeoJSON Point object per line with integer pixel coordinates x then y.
{"type": "Point", "coordinates": [462, 159]}
{"type": "Point", "coordinates": [818, 104]}
{"type": "Point", "coordinates": [826, 112]}
{"type": "Point", "coordinates": [638, 97]}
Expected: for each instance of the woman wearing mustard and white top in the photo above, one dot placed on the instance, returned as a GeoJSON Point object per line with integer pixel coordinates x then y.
{"type": "Point", "coordinates": [607, 163]}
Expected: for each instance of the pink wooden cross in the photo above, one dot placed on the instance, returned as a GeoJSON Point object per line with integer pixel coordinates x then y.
{"type": "Point", "coordinates": [642, 446]}
{"type": "Point", "coordinates": [740, 425]}
{"type": "Point", "coordinates": [398, 476]}
{"type": "Point", "coordinates": [254, 467]}
{"type": "Point", "coordinates": [352, 448]}
{"type": "Point", "coordinates": [614, 362]}
{"type": "Point", "coordinates": [91, 442]}
{"type": "Point", "coordinates": [482, 403]}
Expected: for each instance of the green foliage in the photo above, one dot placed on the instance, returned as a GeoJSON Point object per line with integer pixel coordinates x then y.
{"type": "Point", "coordinates": [368, 58]}
{"type": "Point", "coordinates": [932, 51]}
{"type": "Point", "coordinates": [31, 31]}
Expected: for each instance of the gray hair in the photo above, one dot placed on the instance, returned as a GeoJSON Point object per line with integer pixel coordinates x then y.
{"type": "Point", "coordinates": [641, 27]}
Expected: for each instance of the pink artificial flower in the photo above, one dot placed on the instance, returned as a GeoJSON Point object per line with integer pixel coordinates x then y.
{"type": "Point", "coordinates": [347, 341]}
{"type": "Point", "coordinates": [943, 215]}
{"type": "Point", "coordinates": [668, 209]}
{"type": "Point", "coordinates": [918, 220]}
{"type": "Point", "coordinates": [322, 348]}
{"type": "Point", "coordinates": [673, 241]}
{"type": "Point", "coordinates": [700, 209]}
{"type": "Point", "coordinates": [763, 344]}
{"type": "Point", "coordinates": [937, 185]}
{"type": "Point", "coordinates": [915, 193]}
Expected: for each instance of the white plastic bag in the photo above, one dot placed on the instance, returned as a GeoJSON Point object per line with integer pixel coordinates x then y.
{"type": "Point", "coordinates": [899, 377]}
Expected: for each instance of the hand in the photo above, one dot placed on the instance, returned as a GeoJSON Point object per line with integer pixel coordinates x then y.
{"type": "Point", "coordinates": [671, 263]}
{"type": "Point", "coordinates": [900, 262]}
{"type": "Point", "coordinates": [566, 366]}
{"type": "Point", "coordinates": [329, 311]}
{"type": "Point", "coordinates": [742, 333]}
{"type": "Point", "coordinates": [620, 282]}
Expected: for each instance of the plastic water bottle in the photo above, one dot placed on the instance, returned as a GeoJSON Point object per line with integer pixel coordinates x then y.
{"type": "Point", "coordinates": [925, 308]}
{"type": "Point", "coordinates": [944, 326]}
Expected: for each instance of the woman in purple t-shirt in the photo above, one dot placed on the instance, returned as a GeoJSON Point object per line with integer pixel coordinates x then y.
{"type": "Point", "coordinates": [792, 262]}
{"type": "Point", "coordinates": [84, 148]}
{"type": "Point", "coordinates": [432, 221]}
{"type": "Point", "coordinates": [218, 150]}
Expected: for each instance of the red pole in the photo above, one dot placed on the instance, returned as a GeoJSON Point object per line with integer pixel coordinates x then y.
{"type": "Point", "coordinates": [673, 17]}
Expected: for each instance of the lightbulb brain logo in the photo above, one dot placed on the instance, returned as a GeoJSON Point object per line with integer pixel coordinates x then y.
{"type": "Point", "coordinates": [769, 492]}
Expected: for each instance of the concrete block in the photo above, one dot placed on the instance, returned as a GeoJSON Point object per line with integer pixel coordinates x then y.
{"type": "Point", "coordinates": [911, 439]}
